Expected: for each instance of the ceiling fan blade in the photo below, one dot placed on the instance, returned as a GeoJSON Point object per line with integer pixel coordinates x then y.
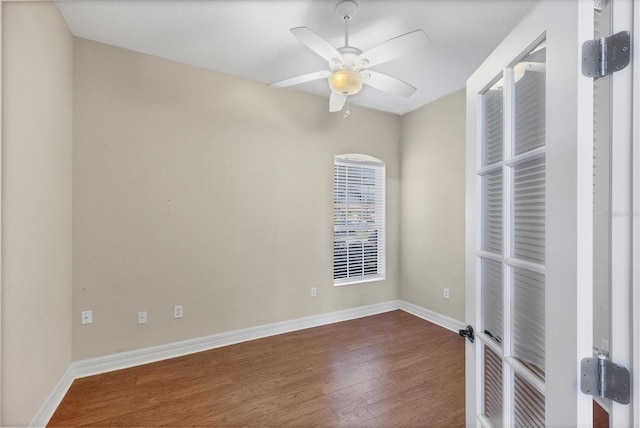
{"type": "Point", "coordinates": [388, 84]}
{"type": "Point", "coordinates": [336, 102]}
{"type": "Point", "coordinates": [317, 44]}
{"type": "Point", "coordinates": [393, 48]}
{"type": "Point", "coordinates": [302, 79]}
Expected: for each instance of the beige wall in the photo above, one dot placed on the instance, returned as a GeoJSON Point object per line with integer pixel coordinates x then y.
{"type": "Point", "coordinates": [199, 189]}
{"type": "Point", "coordinates": [36, 206]}
{"type": "Point", "coordinates": [195, 188]}
{"type": "Point", "coordinates": [432, 205]}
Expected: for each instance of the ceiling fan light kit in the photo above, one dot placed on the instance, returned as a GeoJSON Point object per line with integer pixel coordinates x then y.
{"type": "Point", "coordinates": [349, 66]}
{"type": "Point", "coordinates": [346, 82]}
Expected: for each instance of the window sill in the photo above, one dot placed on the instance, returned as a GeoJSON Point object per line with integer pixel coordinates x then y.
{"type": "Point", "coordinates": [341, 282]}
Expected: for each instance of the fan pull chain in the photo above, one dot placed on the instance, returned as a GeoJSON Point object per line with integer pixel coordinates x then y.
{"type": "Point", "coordinates": [347, 112]}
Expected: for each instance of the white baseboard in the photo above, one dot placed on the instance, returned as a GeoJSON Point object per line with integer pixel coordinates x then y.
{"type": "Point", "coordinates": [138, 357]}
{"type": "Point", "coordinates": [433, 317]}
{"type": "Point", "coordinates": [123, 360]}
{"type": "Point", "coordinates": [41, 418]}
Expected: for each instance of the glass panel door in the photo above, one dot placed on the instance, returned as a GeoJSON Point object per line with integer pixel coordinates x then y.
{"type": "Point", "coordinates": [528, 257]}
{"type": "Point", "coordinates": [512, 246]}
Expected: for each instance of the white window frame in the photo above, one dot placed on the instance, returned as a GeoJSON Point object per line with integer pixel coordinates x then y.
{"type": "Point", "coordinates": [365, 218]}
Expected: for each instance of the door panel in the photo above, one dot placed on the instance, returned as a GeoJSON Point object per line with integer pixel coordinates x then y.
{"type": "Point", "coordinates": [512, 252]}
{"type": "Point", "coordinates": [529, 223]}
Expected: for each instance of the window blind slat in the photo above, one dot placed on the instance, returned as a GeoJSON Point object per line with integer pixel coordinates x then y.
{"type": "Point", "coordinates": [492, 212]}
{"type": "Point", "coordinates": [493, 126]}
{"type": "Point", "coordinates": [529, 211]}
{"type": "Point", "coordinates": [491, 277]}
{"type": "Point", "coordinates": [492, 387]}
{"type": "Point", "coordinates": [530, 114]}
{"type": "Point", "coordinates": [529, 405]}
{"type": "Point", "coordinates": [529, 329]}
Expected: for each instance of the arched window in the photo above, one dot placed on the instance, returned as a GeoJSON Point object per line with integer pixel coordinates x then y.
{"type": "Point", "coordinates": [358, 219]}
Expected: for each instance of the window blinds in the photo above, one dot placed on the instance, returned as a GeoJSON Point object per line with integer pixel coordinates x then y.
{"type": "Point", "coordinates": [358, 221]}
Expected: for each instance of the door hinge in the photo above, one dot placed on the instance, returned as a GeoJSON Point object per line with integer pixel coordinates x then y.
{"type": "Point", "coordinates": [601, 377]}
{"type": "Point", "coordinates": [606, 55]}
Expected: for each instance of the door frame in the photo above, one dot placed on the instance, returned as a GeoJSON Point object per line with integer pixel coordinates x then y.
{"type": "Point", "coordinates": [635, 368]}
{"type": "Point", "coordinates": [623, 217]}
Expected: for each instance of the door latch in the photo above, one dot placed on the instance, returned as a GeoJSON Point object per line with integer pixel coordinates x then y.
{"type": "Point", "coordinates": [599, 376]}
{"type": "Point", "coordinates": [468, 333]}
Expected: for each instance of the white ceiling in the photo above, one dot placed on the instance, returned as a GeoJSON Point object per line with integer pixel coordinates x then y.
{"type": "Point", "coordinates": [251, 38]}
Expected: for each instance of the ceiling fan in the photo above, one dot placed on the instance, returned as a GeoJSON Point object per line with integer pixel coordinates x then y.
{"type": "Point", "coordinates": [349, 67]}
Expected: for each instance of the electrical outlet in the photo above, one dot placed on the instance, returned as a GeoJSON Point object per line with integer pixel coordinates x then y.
{"type": "Point", "coordinates": [314, 292]}
{"type": "Point", "coordinates": [445, 294]}
{"type": "Point", "coordinates": [87, 317]}
{"type": "Point", "coordinates": [142, 317]}
{"type": "Point", "coordinates": [177, 311]}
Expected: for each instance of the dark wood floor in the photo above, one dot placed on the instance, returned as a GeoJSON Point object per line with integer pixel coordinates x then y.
{"type": "Point", "coordinates": [385, 370]}
{"type": "Point", "coordinates": [600, 417]}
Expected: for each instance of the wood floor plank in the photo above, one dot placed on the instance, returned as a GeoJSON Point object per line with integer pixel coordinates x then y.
{"type": "Point", "coordinates": [391, 369]}
{"type": "Point", "coordinates": [600, 416]}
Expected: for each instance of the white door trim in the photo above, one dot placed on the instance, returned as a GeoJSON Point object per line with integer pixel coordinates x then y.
{"type": "Point", "coordinates": [635, 368]}
{"type": "Point", "coordinates": [621, 212]}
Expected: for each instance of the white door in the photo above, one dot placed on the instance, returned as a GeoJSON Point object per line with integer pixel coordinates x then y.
{"type": "Point", "coordinates": [529, 222]}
